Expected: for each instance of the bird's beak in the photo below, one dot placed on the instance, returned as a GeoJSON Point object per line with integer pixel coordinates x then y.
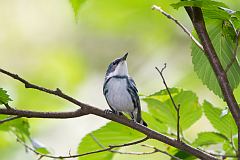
{"type": "Point", "coordinates": [125, 57]}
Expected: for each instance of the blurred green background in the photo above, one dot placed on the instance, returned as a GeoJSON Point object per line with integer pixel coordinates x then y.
{"type": "Point", "coordinates": [42, 42]}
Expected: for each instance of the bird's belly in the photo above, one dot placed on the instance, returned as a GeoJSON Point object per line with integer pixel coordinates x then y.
{"type": "Point", "coordinates": [118, 96]}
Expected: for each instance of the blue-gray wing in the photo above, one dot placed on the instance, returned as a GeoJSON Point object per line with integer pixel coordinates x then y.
{"type": "Point", "coordinates": [105, 90]}
{"type": "Point", "coordinates": [132, 89]}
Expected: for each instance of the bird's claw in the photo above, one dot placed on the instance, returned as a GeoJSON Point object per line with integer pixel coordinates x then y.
{"type": "Point", "coordinates": [108, 111]}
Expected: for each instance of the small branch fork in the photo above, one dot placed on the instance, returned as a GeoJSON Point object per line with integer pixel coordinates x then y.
{"type": "Point", "coordinates": [9, 119]}
{"type": "Point", "coordinates": [157, 8]}
{"type": "Point", "coordinates": [177, 107]}
{"type": "Point", "coordinates": [86, 109]}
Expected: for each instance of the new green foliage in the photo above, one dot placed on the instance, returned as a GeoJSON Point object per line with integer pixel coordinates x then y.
{"type": "Point", "coordinates": [209, 138]}
{"type": "Point", "coordinates": [76, 4]}
{"type": "Point", "coordinates": [224, 47]}
{"type": "Point", "coordinates": [154, 123]}
{"type": "Point", "coordinates": [4, 97]}
{"type": "Point", "coordinates": [20, 127]}
{"type": "Point", "coordinates": [222, 123]}
{"type": "Point", "coordinates": [161, 107]}
{"type": "Point", "coordinates": [199, 3]}
{"type": "Point", "coordinates": [110, 134]}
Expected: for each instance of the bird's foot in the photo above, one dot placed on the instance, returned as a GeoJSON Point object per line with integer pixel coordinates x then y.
{"type": "Point", "coordinates": [108, 111]}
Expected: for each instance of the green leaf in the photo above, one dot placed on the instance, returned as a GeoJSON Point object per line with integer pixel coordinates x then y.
{"type": "Point", "coordinates": [235, 18]}
{"type": "Point", "coordinates": [161, 107]}
{"type": "Point", "coordinates": [228, 148]}
{"type": "Point", "coordinates": [76, 4]}
{"type": "Point", "coordinates": [184, 155]}
{"type": "Point", "coordinates": [209, 138]}
{"type": "Point", "coordinates": [20, 127]}
{"type": "Point", "coordinates": [4, 97]}
{"type": "Point", "coordinates": [42, 150]}
{"type": "Point", "coordinates": [111, 134]}
{"type": "Point", "coordinates": [199, 3]}
{"type": "Point", "coordinates": [224, 124]}
{"type": "Point", "coordinates": [154, 123]}
{"type": "Point", "coordinates": [224, 46]}
{"type": "Point", "coordinates": [215, 13]}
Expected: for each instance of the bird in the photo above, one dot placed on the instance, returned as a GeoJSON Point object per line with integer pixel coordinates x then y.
{"type": "Point", "coordinates": [120, 91]}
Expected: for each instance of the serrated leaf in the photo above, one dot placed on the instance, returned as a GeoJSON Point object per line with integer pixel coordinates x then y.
{"type": "Point", "coordinates": [224, 46]}
{"type": "Point", "coordinates": [76, 4]}
{"type": "Point", "coordinates": [20, 127]}
{"type": "Point", "coordinates": [209, 138]}
{"type": "Point", "coordinates": [224, 124]}
{"type": "Point", "coordinates": [111, 134]}
{"type": "Point", "coordinates": [199, 3]}
{"type": "Point", "coordinates": [161, 107]}
{"type": "Point", "coordinates": [4, 97]}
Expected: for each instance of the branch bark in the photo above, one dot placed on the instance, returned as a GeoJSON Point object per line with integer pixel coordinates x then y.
{"type": "Point", "coordinates": [196, 16]}
{"type": "Point", "coordinates": [88, 109]}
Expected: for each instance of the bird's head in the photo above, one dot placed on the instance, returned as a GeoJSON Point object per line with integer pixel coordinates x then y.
{"type": "Point", "coordinates": [118, 67]}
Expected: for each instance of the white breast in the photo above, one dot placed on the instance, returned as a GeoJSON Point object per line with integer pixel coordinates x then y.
{"type": "Point", "coordinates": [118, 96]}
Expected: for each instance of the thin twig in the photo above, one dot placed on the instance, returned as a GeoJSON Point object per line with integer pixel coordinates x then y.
{"type": "Point", "coordinates": [7, 106]}
{"type": "Point", "coordinates": [177, 108]}
{"type": "Point", "coordinates": [89, 153]}
{"type": "Point", "coordinates": [234, 56]}
{"type": "Point", "coordinates": [154, 7]}
{"type": "Point", "coordinates": [9, 119]}
{"type": "Point", "coordinates": [158, 150]}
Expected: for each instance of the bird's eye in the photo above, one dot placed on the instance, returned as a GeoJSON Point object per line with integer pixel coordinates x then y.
{"type": "Point", "coordinates": [115, 62]}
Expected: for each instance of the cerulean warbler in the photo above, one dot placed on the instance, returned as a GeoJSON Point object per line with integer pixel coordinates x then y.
{"type": "Point", "coordinates": [120, 90]}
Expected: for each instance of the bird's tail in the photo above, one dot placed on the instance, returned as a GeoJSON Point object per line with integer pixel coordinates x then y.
{"type": "Point", "coordinates": [139, 118]}
{"type": "Point", "coordinates": [143, 122]}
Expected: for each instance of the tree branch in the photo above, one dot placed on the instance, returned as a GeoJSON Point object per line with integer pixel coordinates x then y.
{"type": "Point", "coordinates": [157, 8]}
{"type": "Point", "coordinates": [177, 108]}
{"type": "Point", "coordinates": [88, 109]}
{"type": "Point", "coordinates": [199, 25]}
{"type": "Point", "coordinates": [9, 119]}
